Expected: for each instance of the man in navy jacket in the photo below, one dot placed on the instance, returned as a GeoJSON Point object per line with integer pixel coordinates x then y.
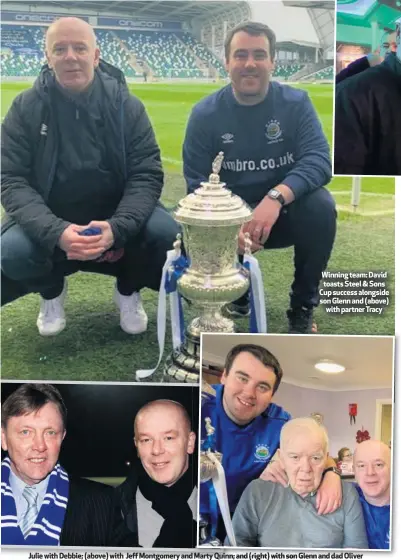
{"type": "Point", "coordinates": [276, 158]}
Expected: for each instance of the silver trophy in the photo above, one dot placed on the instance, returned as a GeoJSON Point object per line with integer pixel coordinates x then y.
{"type": "Point", "coordinates": [211, 220]}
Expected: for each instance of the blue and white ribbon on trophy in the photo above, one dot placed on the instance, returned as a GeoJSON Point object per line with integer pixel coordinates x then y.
{"type": "Point", "coordinates": [221, 498]}
{"type": "Point", "coordinates": [173, 269]}
{"type": "Point", "coordinates": [174, 273]}
{"type": "Point", "coordinates": [257, 319]}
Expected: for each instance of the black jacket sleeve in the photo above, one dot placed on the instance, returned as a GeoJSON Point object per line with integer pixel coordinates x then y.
{"type": "Point", "coordinates": [353, 127]}
{"type": "Point", "coordinates": [119, 533]}
{"type": "Point", "coordinates": [93, 517]}
{"type": "Point", "coordinates": [126, 493]}
{"type": "Point", "coordinates": [144, 174]}
{"type": "Point", "coordinates": [20, 200]}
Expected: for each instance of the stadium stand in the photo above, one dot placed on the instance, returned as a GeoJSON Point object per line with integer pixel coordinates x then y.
{"type": "Point", "coordinates": [167, 55]}
{"type": "Point", "coordinates": [17, 37]}
{"type": "Point", "coordinates": [284, 71]}
{"type": "Point", "coordinates": [322, 74]}
{"type": "Point", "coordinates": [112, 51]}
{"type": "Point", "coordinates": [325, 74]}
{"type": "Point", "coordinates": [20, 64]}
{"type": "Point", "coordinates": [202, 52]}
{"type": "Point", "coordinates": [20, 53]}
{"type": "Point", "coordinates": [156, 54]}
{"type": "Point", "coordinates": [163, 53]}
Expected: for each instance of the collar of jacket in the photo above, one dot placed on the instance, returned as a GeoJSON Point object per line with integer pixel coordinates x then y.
{"type": "Point", "coordinates": [112, 87]}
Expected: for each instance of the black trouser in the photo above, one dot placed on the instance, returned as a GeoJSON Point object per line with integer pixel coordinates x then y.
{"type": "Point", "coordinates": [308, 224]}
{"type": "Point", "coordinates": [27, 268]}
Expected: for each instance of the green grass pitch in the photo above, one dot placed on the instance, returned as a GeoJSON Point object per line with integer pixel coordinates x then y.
{"type": "Point", "coordinates": [93, 347]}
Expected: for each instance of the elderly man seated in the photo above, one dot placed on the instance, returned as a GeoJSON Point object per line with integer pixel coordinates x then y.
{"type": "Point", "coordinates": [270, 515]}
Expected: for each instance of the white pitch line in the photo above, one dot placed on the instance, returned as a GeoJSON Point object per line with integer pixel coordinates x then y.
{"type": "Point", "coordinates": [357, 213]}
{"type": "Point", "coordinates": [171, 160]}
{"type": "Point", "coordinates": [386, 195]}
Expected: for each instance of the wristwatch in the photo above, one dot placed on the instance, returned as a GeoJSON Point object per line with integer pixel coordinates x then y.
{"type": "Point", "coordinates": [332, 469]}
{"type": "Point", "coordinates": [274, 194]}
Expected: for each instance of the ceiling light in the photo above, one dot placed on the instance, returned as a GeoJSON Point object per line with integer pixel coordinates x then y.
{"type": "Point", "coordinates": [328, 366]}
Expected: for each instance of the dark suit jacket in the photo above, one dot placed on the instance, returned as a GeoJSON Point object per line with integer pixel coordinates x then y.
{"type": "Point", "coordinates": [93, 517]}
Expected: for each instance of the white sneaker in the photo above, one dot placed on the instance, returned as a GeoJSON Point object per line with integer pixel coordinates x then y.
{"type": "Point", "coordinates": [51, 319]}
{"type": "Point", "coordinates": [133, 319]}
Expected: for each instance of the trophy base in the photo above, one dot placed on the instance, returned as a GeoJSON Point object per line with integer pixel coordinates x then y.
{"type": "Point", "coordinates": [184, 363]}
{"type": "Point", "coordinates": [206, 540]}
{"type": "Point", "coordinates": [211, 543]}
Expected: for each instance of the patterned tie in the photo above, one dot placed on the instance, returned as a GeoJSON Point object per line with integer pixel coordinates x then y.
{"type": "Point", "coordinates": [31, 495]}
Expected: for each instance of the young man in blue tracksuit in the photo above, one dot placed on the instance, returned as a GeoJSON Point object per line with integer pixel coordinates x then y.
{"type": "Point", "coordinates": [372, 466]}
{"type": "Point", "coordinates": [247, 428]}
{"type": "Point", "coordinates": [276, 158]}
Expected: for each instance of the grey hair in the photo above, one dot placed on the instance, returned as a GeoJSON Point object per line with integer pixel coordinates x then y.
{"type": "Point", "coordinates": [304, 424]}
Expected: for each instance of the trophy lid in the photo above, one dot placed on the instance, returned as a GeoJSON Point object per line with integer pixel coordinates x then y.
{"type": "Point", "coordinates": [212, 204]}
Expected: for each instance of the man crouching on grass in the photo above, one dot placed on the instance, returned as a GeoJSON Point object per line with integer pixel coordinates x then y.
{"type": "Point", "coordinates": [81, 182]}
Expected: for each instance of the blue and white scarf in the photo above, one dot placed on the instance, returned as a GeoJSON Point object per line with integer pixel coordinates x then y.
{"type": "Point", "coordinates": [46, 530]}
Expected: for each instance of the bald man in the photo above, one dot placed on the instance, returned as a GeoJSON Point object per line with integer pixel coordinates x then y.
{"type": "Point", "coordinates": [81, 181]}
{"type": "Point", "coordinates": [270, 515]}
{"type": "Point", "coordinates": [372, 467]}
{"type": "Point", "coordinates": [159, 498]}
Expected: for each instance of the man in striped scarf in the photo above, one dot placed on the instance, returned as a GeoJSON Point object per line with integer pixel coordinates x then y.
{"type": "Point", "coordinates": [41, 505]}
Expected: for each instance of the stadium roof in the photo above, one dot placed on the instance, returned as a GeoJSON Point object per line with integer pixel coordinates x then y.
{"type": "Point", "coordinates": [155, 9]}
{"type": "Point", "coordinates": [363, 14]}
{"type": "Point", "coordinates": [321, 13]}
{"type": "Point", "coordinates": [322, 4]}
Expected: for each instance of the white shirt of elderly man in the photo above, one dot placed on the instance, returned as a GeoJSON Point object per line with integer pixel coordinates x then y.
{"type": "Point", "coordinates": [270, 515]}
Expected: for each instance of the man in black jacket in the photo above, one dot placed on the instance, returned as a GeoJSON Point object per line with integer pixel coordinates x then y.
{"type": "Point", "coordinates": [368, 120]}
{"type": "Point", "coordinates": [159, 497]}
{"type": "Point", "coordinates": [41, 504]}
{"type": "Point", "coordinates": [79, 153]}
{"type": "Point", "coordinates": [368, 61]}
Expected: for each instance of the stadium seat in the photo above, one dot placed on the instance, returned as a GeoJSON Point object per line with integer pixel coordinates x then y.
{"type": "Point", "coordinates": [202, 52]}
{"type": "Point", "coordinates": [167, 55]}
{"type": "Point", "coordinates": [285, 71]}
{"type": "Point", "coordinates": [21, 55]}
{"type": "Point", "coordinates": [325, 74]}
{"type": "Point", "coordinates": [113, 52]}
{"type": "Point", "coordinates": [164, 53]}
